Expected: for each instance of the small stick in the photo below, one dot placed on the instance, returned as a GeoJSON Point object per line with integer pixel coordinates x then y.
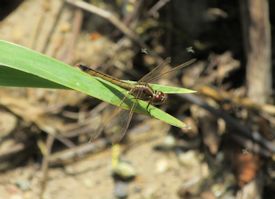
{"type": "Point", "coordinates": [106, 15]}
{"type": "Point", "coordinates": [45, 166]}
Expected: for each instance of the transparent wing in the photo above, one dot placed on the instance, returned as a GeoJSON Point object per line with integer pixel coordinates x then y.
{"type": "Point", "coordinates": [104, 124]}
{"type": "Point", "coordinates": [118, 110]}
{"type": "Point", "coordinates": [191, 61]}
{"type": "Point", "coordinates": [130, 116]}
{"type": "Point", "coordinates": [155, 71]}
{"type": "Point", "coordinates": [108, 120]}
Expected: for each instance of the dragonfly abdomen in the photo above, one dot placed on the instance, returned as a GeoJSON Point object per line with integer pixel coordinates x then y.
{"type": "Point", "coordinates": [106, 77]}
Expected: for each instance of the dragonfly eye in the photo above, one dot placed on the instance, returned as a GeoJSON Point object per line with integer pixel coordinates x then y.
{"type": "Point", "coordinates": [160, 98]}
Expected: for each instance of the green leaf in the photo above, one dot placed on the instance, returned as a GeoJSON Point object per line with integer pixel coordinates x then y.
{"type": "Point", "coordinates": [22, 67]}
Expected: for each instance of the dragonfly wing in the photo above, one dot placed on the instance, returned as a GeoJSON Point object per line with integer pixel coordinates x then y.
{"type": "Point", "coordinates": [155, 71]}
{"type": "Point", "coordinates": [125, 117]}
{"type": "Point", "coordinates": [130, 116]}
{"type": "Point", "coordinates": [106, 122]}
{"type": "Point", "coordinates": [191, 61]}
{"type": "Point", "coordinates": [131, 113]}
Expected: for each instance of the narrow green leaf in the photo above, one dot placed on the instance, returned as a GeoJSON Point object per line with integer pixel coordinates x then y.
{"type": "Point", "coordinates": [20, 66]}
{"type": "Point", "coordinates": [17, 78]}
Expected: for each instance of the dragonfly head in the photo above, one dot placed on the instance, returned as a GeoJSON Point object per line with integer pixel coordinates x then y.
{"type": "Point", "coordinates": [159, 98]}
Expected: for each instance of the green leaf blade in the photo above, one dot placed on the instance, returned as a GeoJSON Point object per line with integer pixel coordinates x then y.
{"type": "Point", "coordinates": [20, 66]}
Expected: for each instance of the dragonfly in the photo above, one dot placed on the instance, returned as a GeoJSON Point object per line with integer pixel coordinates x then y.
{"type": "Point", "coordinates": [141, 90]}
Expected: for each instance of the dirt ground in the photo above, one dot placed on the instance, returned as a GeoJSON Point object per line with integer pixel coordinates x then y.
{"type": "Point", "coordinates": [159, 174]}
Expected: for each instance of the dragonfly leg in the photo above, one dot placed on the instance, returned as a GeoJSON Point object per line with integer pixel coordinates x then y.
{"type": "Point", "coordinates": [149, 103]}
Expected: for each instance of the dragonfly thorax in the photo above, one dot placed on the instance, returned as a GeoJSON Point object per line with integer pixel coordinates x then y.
{"type": "Point", "coordinates": [146, 93]}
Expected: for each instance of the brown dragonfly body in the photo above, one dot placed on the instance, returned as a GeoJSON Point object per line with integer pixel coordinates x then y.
{"type": "Point", "coordinates": [140, 90]}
